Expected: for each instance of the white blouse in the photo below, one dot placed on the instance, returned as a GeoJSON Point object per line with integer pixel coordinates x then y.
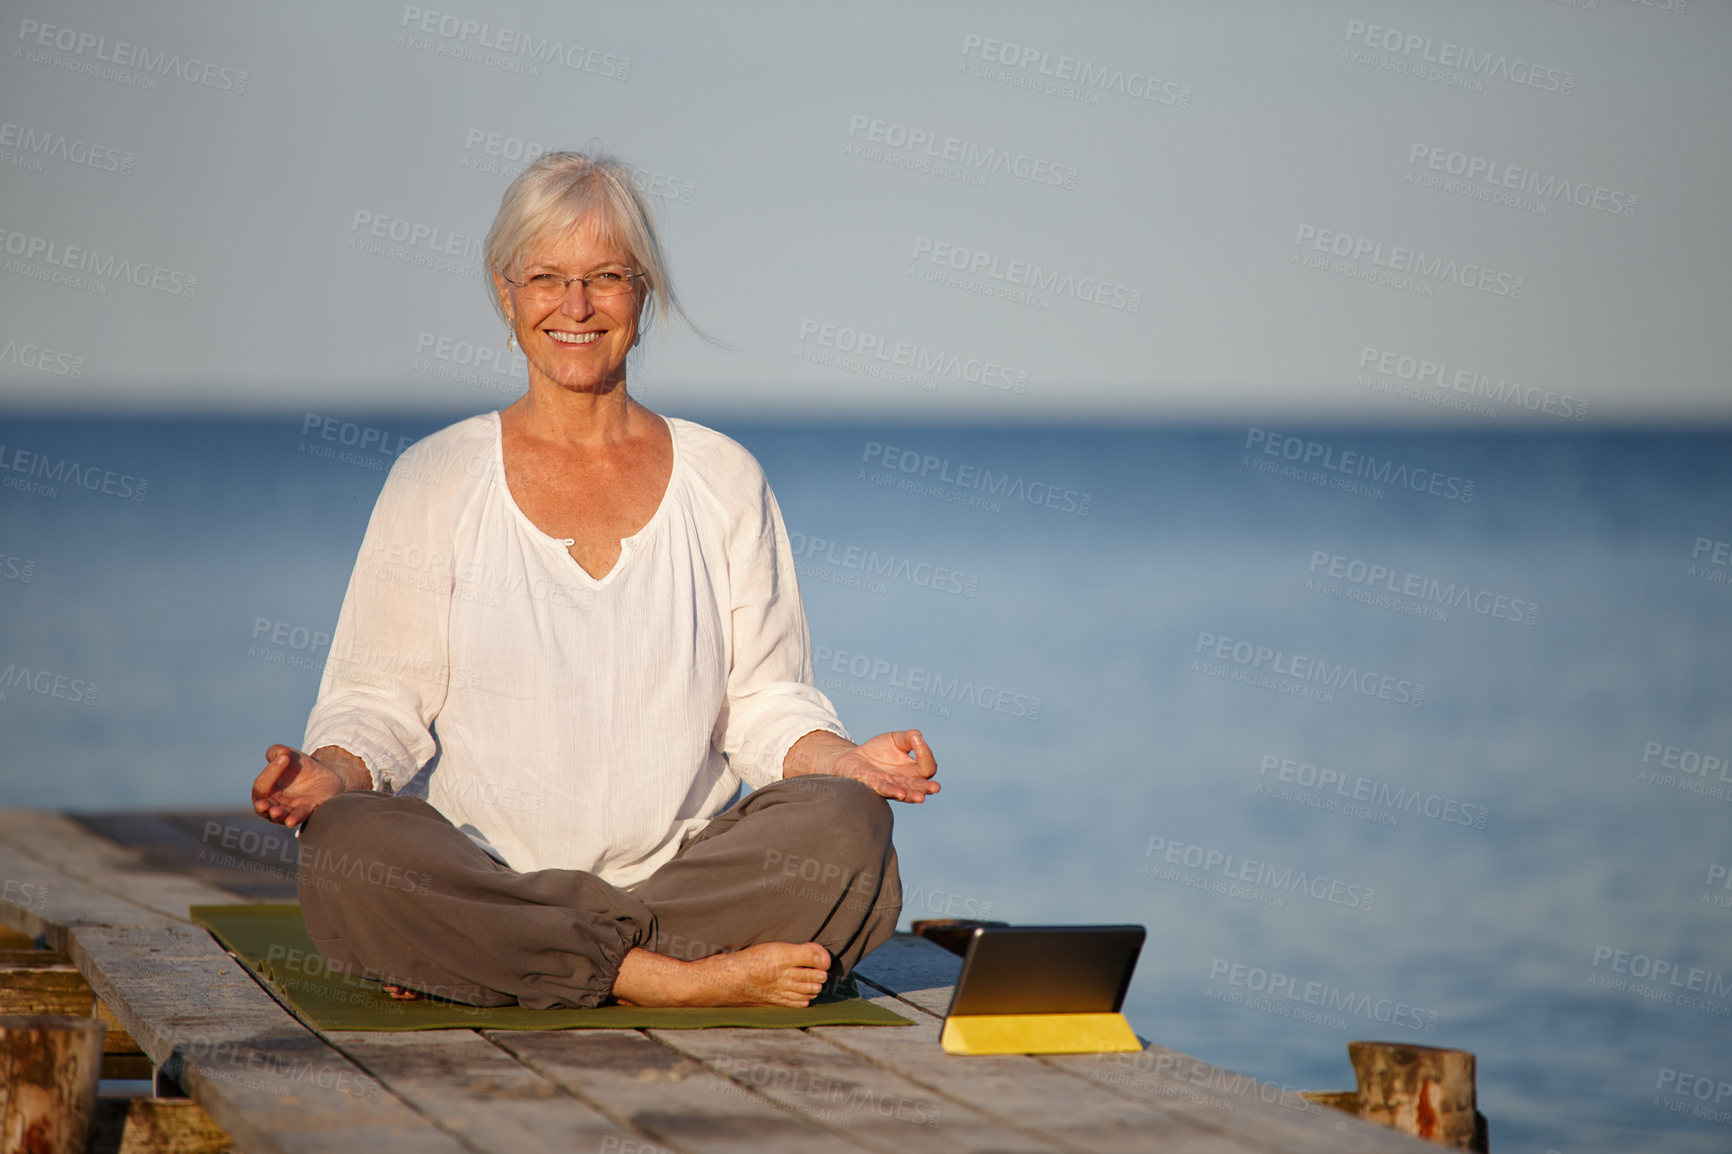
{"type": "Point", "coordinates": [558, 719]}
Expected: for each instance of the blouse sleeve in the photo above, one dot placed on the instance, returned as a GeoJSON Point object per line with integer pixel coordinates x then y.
{"type": "Point", "coordinates": [389, 665]}
{"type": "Point", "coordinates": [771, 701]}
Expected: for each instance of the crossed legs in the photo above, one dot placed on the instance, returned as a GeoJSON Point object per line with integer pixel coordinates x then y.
{"type": "Point", "coordinates": [390, 889]}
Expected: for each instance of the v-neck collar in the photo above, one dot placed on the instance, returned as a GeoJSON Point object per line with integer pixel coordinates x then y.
{"type": "Point", "coordinates": [627, 545]}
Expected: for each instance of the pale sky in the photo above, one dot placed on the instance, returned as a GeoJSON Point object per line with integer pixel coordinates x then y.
{"type": "Point", "coordinates": [1484, 213]}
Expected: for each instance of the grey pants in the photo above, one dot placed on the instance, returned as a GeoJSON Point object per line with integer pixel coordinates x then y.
{"type": "Point", "coordinates": [393, 891]}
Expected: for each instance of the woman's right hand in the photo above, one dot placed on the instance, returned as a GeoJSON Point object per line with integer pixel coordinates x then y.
{"type": "Point", "coordinates": [293, 784]}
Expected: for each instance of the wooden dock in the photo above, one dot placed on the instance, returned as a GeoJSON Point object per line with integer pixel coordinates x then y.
{"type": "Point", "coordinates": [112, 893]}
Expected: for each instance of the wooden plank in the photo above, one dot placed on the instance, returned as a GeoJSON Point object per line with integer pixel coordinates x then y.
{"type": "Point", "coordinates": [118, 1041]}
{"type": "Point", "coordinates": [75, 852]}
{"type": "Point", "coordinates": [1255, 1112]}
{"type": "Point", "coordinates": [1179, 1086]}
{"type": "Point", "coordinates": [874, 1105]}
{"type": "Point", "coordinates": [914, 970]}
{"type": "Point", "coordinates": [675, 1100]}
{"type": "Point", "coordinates": [46, 891]}
{"type": "Point", "coordinates": [49, 989]}
{"type": "Point", "coordinates": [88, 854]}
{"type": "Point", "coordinates": [46, 982]}
{"type": "Point", "coordinates": [1028, 1094]}
{"type": "Point", "coordinates": [154, 1126]}
{"type": "Point", "coordinates": [261, 1075]}
{"type": "Point", "coordinates": [31, 958]}
{"type": "Point", "coordinates": [473, 1088]}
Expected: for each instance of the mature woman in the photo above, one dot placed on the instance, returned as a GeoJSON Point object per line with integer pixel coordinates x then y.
{"type": "Point", "coordinates": [572, 632]}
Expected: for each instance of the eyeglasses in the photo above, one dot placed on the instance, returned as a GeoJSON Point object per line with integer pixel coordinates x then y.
{"type": "Point", "coordinates": [547, 286]}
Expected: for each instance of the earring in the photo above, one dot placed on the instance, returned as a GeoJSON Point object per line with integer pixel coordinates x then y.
{"type": "Point", "coordinates": [511, 339]}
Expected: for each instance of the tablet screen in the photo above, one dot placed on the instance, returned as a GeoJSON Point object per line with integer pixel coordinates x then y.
{"type": "Point", "coordinates": [1047, 969]}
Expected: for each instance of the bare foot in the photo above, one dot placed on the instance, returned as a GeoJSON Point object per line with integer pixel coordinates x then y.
{"type": "Point", "coordinates": [403, 994]}
{"type": "Point", "coordinates": [767, 974]}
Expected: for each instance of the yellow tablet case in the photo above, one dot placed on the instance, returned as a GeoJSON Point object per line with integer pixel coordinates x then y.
{"type": "Point", "coordinates": [1038, 1034]}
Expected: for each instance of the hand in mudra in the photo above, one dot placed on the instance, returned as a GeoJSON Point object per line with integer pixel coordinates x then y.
{"type": "Point", "coordinates": [293, 784]}
{"type": "Point", "coordinates": [899, 765]}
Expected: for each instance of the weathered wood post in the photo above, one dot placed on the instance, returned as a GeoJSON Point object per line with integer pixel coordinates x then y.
{"type": "Point", "coordinates": [1426, 1091]}
{"type": "Point", "coordinates": [49, 1067]}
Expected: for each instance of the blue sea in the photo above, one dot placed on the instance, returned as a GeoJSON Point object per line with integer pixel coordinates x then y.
{"type": "Point", "coordinates": [1413, 736]}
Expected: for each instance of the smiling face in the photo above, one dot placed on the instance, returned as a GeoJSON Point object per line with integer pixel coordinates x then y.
{"type": "Point", "coordinates": [577, 342]}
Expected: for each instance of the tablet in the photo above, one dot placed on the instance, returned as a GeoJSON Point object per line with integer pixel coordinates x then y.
{"type": "Point", "coordinates": [1046, 970]}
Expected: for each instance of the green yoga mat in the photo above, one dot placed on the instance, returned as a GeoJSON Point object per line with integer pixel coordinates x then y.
{"type": "Point", "coordinates": [272, 941]}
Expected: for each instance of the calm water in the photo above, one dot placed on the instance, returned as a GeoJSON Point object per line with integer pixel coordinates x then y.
{"type": "Point", "coordinates": [1371, 751]}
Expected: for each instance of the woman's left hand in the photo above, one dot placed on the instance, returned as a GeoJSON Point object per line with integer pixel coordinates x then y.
{"type": "Point", "coordinates": [898, 765]}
